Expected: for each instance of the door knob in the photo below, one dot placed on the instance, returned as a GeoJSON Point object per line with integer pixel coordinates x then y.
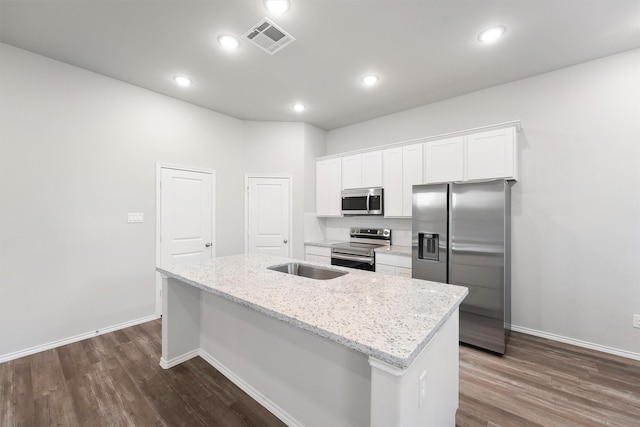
{"type": "Point", "coordinates": [285, 241]}
{"type": "Point", "coordinates": [207, 245]}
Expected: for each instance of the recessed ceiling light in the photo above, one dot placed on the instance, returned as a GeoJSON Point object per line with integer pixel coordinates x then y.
{"type": "Point", "coordinates": [182, 81]}
{"type": "Point", "coordinates": [228, 42]}
{"type": "Point", "coordinates": [492, 34]}
{"type": "Point", "coordinates": [277, 7]}
{"type": "Point", "coordinates": [298, 107]}
{"type": "Point", "coordinates": [370, 80]}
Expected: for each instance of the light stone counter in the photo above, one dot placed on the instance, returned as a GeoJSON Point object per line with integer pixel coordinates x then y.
{"type": "Point", "coordinates": [389, 318]}
{"type": "Point", "coordinates": [395, 250]}
{"type": "Point", "coordinates": [323, 243]}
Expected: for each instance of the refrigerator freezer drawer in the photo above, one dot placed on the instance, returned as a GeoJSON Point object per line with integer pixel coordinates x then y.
{"type": "Point", "coordinates": [485, 332]}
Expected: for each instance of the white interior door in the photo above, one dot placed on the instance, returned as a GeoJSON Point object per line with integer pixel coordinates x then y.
{"type": "Point", "coordinates": [268, 216]}
{"type": "Point", "coordinates": [186, 216]}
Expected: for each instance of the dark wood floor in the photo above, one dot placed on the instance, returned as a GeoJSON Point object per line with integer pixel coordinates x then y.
{"type": "Point", "coordinates": [115, 380]}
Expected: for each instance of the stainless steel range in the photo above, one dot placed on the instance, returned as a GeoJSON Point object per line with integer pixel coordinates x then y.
{"type": "Point", "coordinates": [359, 251]}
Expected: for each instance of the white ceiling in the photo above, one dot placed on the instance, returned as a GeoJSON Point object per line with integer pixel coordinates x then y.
{"type": "Point", "coordinates": [423, 50]}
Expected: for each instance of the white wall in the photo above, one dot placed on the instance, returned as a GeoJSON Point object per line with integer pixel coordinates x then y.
{"type": "Point", "coordinates": [77, 152]}
{"type": "Point", "coordinates": [274, 148]}
{"type": "Point", "coordinates": [576, 208]}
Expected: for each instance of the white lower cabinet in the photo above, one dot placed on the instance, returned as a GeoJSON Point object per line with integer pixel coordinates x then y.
{"type": "Point", "coordinates": [393, 264]}
{"type": "Point", "coordinates": [319, 254]}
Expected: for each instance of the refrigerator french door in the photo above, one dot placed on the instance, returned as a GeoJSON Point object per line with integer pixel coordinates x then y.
{"type": "Point", "coordinates": [461, 235]}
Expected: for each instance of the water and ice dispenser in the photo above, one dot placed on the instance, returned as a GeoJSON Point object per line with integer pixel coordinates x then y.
{"type": "Point", "coordinates": [428, 246]}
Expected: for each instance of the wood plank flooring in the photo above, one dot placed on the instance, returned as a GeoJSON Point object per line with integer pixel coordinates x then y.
{"type": "Point", "coordinates": [115, 380]}
{"type": "Point", "coordinates": [546, 383]}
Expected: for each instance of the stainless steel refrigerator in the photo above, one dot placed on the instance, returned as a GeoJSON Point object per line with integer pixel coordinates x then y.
{"type": "Point", "coordinates": [462, 236]}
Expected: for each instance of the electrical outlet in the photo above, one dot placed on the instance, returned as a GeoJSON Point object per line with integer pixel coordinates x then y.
{"type": "Point", "coordinates": [422, 388]}
{"type": "Point", "coordinates": [636, 320]}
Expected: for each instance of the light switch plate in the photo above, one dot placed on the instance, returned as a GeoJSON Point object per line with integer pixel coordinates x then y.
{"type": "Point", "coordinates": [636, 320]}
{"type": "Point", "coordinates": [135, 217]}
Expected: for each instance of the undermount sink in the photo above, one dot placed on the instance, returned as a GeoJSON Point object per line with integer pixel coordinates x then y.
{"type": "Point", "coordinates": [305, 270]}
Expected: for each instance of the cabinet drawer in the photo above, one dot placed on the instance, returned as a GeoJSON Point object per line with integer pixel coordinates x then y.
{"type": "Point", "coordinates": [319, 259]}
{"type": "Point", "coordinates": [318, 250]}
{"type": "Point", "coordinates": [393, 259]}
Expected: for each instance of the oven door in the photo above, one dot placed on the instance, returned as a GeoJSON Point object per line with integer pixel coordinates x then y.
{"type": "Point", "coordinates": [353, 261]}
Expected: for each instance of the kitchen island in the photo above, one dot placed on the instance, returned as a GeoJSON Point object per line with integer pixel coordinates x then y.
{"type": "Point", "coordinates": [357, 350]}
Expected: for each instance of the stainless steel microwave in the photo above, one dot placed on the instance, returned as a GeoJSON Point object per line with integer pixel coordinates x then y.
{"type": "Point", "coordinates": [362, 201]}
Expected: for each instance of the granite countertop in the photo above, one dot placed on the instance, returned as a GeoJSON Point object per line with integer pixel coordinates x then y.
{"type": "Point", "coordinates": [324, 243]}
{"type": "Point", "coordinates": [390, 318]}
{"type": "Point", "coordinates": [395, 250]}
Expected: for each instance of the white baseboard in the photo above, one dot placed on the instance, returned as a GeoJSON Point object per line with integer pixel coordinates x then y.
{"type": "Point", "coordinates": [276, 410]}
{"type": "Point", "coordinates": [167, 364]}
{"type": "Point", "coordinates": [76, 338]}
{"type": "Point", "coordinates": [579, 343]}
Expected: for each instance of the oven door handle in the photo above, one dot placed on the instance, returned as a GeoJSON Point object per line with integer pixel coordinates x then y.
{"type": "Point", "coordinates": [367, 260]}
{"type": "Point", "coordinates": [368, 204]}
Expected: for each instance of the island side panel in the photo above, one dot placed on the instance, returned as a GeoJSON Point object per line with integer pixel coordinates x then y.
{"type": "Point", "coordinates": [302, 378]}
{"type": "Point", "coordinates": [395, 393]}
{"type": "Point", "coordinates": [180, 322]}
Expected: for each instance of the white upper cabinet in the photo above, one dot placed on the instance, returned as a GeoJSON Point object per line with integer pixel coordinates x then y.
{"type": "Point", "coordinates": [444, 160]}
{"type": "Point", "coordinates": [352, 171]}
{"type": "Point", "coordinates": [329, 187]}
{"type": "Point", "coordinates": [362, 170]}
{"type": "Point", "coordinates": [392, 181]}
{"type": "Point", "coordinates": [483, 155]}
{"type": "Point", "coordinates": [401, 169]}
{"type": "Point", "coordinates": [491, 154]}
{"type": "Point", "coordinates": [411, 174]}
{"type": "Point", "coordinates": [372, 169]}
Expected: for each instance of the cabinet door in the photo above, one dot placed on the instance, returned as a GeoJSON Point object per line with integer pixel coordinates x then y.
{"type": "Point", "coordinates": [328, 187]}
{"type": "Point", "coordinates": [392, 181]}
{"type": "Point", "coordinates": [352, 171]}
{"type": "Point", "coordinates": [444, 160]}
{"type": "Point", "coordinates": [491, 154]}
{"type": "Point", "coordinates": [403, 272]}
{"type": "Point", "coordinates": [385, 269]}
{"type": "Point", "coordinates": [411, 174]}
{"type": "Point", "coordinates": [372, 169]}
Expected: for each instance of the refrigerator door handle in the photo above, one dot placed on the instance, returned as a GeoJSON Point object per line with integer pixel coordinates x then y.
{"type": "Point", "coordinates": [449, 230]}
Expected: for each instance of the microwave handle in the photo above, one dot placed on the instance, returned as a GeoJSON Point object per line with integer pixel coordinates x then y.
{"type": "Point", "coordinates": [368, 199]}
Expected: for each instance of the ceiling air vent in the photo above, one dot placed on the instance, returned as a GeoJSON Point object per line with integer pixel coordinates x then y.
{"type": "Point", "coordinates": [268, 36]}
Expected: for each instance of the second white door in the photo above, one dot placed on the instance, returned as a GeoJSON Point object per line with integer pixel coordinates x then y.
{"type": "Point", "coordinates": [268, 216]}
